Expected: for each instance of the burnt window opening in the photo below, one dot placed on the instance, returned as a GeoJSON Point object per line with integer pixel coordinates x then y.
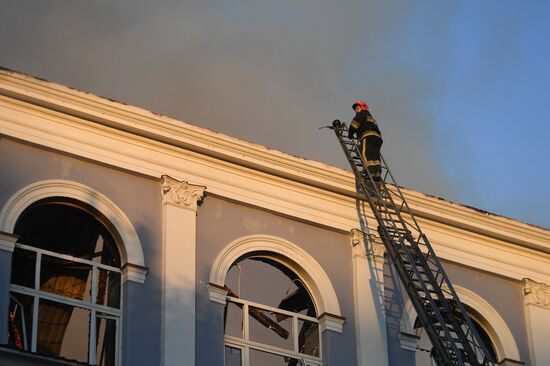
{"type": "Point", "coordinates": [65, 298]}
{"type": "Point", "coordinates": [270, 306]}
{"type": "Point", "coordinates": [485, 339]}
{"type": "Point", "coordinates": [425, 345]}
{"type": "Point", "coordinates": [67, 227]}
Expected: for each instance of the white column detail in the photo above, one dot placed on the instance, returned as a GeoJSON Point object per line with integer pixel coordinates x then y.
{"type": "Point", "coordinates": [368, 288]}
{"type": "Point", "coordinates": [536, 301]}
{"type": "Point", "coordinates": [179, 210]}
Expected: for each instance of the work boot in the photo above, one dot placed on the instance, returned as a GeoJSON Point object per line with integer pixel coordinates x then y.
{"type": "Point", "coordinates": [377, 175]}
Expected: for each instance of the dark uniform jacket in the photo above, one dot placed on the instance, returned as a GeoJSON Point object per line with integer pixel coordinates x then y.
{"type": "Point", "coordinates": [364, 125]}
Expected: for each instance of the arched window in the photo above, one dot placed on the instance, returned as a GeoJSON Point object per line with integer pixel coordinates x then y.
{"type": "Point", "coordinates": [424, 345]}
{"type": "Point", "coordinates": [490, 325]}
{"type": "Point", "coordinates": [270, 317]}
{"type": "Point", "coordinates": [65, 294]}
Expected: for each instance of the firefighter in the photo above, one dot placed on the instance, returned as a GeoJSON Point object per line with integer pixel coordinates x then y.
{"type": "Point", "coordinates": [367, 131]}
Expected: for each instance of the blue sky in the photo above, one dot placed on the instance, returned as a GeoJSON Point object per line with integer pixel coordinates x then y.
{"type": "Point", "coordinates": [458, 88]}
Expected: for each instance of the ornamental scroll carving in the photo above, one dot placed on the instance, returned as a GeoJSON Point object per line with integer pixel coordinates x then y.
{"type": "Point", "coordinates": [358, 242]}
{"type": "Point", "coordinates": [536, 293]}
{"type": "Point", "coordinates": [181, 193]}
{"type": "Point", "coordinates": [367, 244]}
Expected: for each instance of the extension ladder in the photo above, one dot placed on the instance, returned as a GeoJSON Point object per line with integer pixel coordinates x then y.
{"type": "Point", "coordinates": [444, 318]}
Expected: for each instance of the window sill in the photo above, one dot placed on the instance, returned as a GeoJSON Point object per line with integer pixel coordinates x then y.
{"type": "Point", "coordinates": [14, 357]}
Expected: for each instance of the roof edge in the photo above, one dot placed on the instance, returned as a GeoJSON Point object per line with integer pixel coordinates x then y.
{"type": "Point", "coordinates": [322, 176]}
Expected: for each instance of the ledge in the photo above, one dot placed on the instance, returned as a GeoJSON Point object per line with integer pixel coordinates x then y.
{"type": "Point", "coordinates": [7, 241]}
{"type": "Point", "coordinates": [217, 293]}
{"type": "Point", "coordinates": [152, 145]}
{"type": "Point", "coordinates": [13, 357]}
{"type": "Point", "coordinates": [332, 322]}
{"type": "Point", "coordinates": [134, 273]}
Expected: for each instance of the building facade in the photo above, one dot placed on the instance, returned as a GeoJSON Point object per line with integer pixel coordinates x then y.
{"type": "Point", "coordinates": [129, 238]}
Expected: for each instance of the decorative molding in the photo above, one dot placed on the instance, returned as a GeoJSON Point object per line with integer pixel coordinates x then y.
{"type": "Point", "coordinates": [134, 273]}
{"type": "Point", "coordinates": [487, 254]}
{"type": "Point", "coordinates": [358, 242]}
{"type": "Point", "coordinates": [377, 248]}
{"type": "Point", "coordinates": [289, 254]}
{"type": "Point", "coordinates": [217, 293]}
{"type": "Point", "coordinates": [180, 193]}
{"type": "Point", "coordinates": [59, 118]}
{"type": "Point", "coordinates": [535, 293]}
{"type": "Point", "coordinates": [7, 241]}
{"type": "Point", "coordinates": [21, 88]}
{"type": "Point", "coordinates": [130, 250]}
{"type": "Point", "coordinates": [367, 244]}
{"type": "Point", "coordinates": [331, 322]}
{"type": "Point", "coordinates": [408, 341]}
{"type": "Point", "coordinates": [357, 237]}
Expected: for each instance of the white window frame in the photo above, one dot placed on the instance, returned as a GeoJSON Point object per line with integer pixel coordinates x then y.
{"type": "Point", "coordinates": [107, 312]}
{"type": "Point", "coordinates": [245, 344]}
{"type": "Point", "coordinates": [483, 313]}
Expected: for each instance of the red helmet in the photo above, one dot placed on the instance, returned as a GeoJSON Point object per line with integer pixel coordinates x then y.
{"type": "Point", "coordinates": [363, 105]}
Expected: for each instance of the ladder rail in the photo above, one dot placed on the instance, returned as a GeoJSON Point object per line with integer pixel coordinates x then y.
{"type": "Point", "coordinates": [433, 283]}
{"type": "Point", "coordinates": [399, 192]}
{"type": "Point", "coordinates": [473, 336]}
{"type": "Point", "coordinates": [412, 292]}
{"type": "Point", "coordinates": [414, 269]}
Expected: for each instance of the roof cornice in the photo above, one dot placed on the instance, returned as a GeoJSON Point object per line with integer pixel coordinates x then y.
{"type": "Point", "coordinates": [153, 128]}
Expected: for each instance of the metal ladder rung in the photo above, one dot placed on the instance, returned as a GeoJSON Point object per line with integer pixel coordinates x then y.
{"type": "Point", "coordinates": [421, 274]}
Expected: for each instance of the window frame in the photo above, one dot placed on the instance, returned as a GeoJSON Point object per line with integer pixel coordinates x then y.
{"type": "Point", "coordinates": [292, 256]}
{"type": "Point", "coordinates": [482, 312]}
{"type": "Point", "coordinates": [245, 344]}
{"type": "Point", "coordinates": [105, 311]}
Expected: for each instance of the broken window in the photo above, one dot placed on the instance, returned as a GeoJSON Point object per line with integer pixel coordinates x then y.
{"type": "Point", "coordinates": [270, 318]}
{"type": "Point", "coordinates": [424, 345]}
{"type": "Point", "coordinates": [65, 294]}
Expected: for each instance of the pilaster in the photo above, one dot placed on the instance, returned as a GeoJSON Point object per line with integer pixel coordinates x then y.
{"type": "Point", "coordinates": [179, 208]}
{"type": "Point", "coordinates": [368, 287]}
{"type": "Point", "coordinates": [536, 301]}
